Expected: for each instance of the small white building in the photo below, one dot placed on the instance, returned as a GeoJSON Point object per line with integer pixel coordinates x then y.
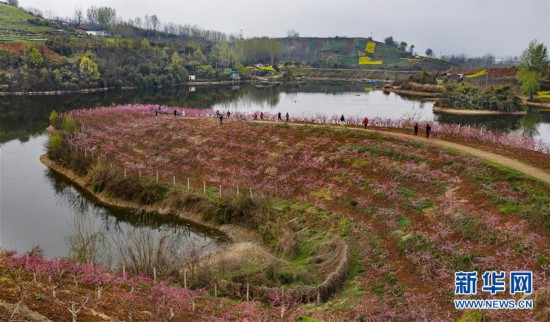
{"type": "Point", "coordinates": [191, 77]}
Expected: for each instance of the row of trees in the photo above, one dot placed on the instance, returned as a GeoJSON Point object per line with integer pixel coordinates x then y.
{"type": "Point", "coordinates": [402, 46]}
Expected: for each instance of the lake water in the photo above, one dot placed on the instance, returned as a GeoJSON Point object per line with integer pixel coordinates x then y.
{"type": "Point", "coordinates": [39, 208]}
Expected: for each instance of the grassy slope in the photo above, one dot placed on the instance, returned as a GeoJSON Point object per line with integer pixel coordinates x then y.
{"type": "Point", "coordinates": [15, 26]}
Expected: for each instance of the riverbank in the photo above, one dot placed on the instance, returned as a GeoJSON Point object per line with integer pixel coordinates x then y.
{"type": "Point", "coordinates": [428, 96]}
{"type": "Point", "coordinates": [439, 109]}
{"type": "Point", "coordinates": [235, 233]}
{"type": "Point", "coordinates": [247, 245]}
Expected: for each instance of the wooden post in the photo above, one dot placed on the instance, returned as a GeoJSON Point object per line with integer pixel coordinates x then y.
{"type": "Point", "coordinates": [174, 180]}
{"type": "Point", "coordinates": [220, 190]}
{"type": "Point", "coordinates": [124, 172]}
{"type": "Point", "coordinates": [250, 192]}
{"type": "Point", "coordinates": [123, 271]}
{"type": "Point", "coordinates": [140, 174]}
{"type": "Point", "coordinates": [157, 177]}
{"type": "Point", "coordinates": [237, 189]}
{"type": "Point", "coordinates": [184, 279]}
{"type": "Point", "coordinates": [318, 297]}
{"type": "Point", "coordinates": [188, 184]}
{"type": "Point", "coordinates": [247, 291]}
{"type": "Point", "coordinates": [204, 187]}
{"type": "Point", "coordinates": [85, 152]}
{"type": "Point", "coordinates": [215, 289]}
{"type": "Point", "coordinates": [155, 275]}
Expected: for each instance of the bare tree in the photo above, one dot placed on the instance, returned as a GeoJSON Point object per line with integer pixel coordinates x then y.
{"type": "Point", "coordinates": [87, 244]}
{"type": "Point", "coordinates": [155, 23]}
{"type": "Point", "coordinates": [137, 22]}
{"type": "Point", "coordinates": [78, 16]}
{"type": "Point", "coordinates": [293, 34]}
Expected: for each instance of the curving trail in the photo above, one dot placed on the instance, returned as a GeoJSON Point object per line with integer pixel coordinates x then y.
{"type": "Point", "coordinates": [532, 171]}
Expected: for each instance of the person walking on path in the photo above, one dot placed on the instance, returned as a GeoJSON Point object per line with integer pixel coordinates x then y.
{"type": "Point", "coordinates": [287, 117]}
{"type": "Point", "coordinates": [366, 122]}
{"type": "Point", "coordinates": [416, 128]}
{"type": "Point", "coordinates": [279, 116]}
{"type": "Point", "coordinates": [262, 116]}
{"type": "Point", "coordinates": [255, 116]}
{"type": "Point", "coordinates": [428, 130]}
{"type": "Point", "coordinates": [342, 119]}
{"type": "Point", "coordinates": [221, 119]}
{"type": "Point", "coordinates": [175, 113]}
{"type": "Point", "coordinates": [228, 114]}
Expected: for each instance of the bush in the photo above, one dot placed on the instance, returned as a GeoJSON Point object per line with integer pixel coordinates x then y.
{"type": "Point", "coordinates": [423, 77]}
{"type": "Point", "coordinates": [54, 119]}
{"type": "Point", "coordinates": [55, 142]}
{"type": "Point", "coordinates": [464, 96]}
{"type": "Point", "coordinates": [69, 125]}
{"type": "Point", "coordinates": [142, 190]}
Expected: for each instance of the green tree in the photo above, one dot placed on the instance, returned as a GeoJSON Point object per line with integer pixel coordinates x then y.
{"type": "Point", "coordinates": [176, 68]}
{"type": "Point", "coordinates": [390, 42]}
{"type": "Point", "coordinates": [429, 52]}
{"type": "Point", "coordinates": [529, 82]}
{"type": "Point", "coordinates": [14, 3]}
{"type": "Point", "coordinates": [533, 67]}
{"type": "Point", "coordinates": [199, 56]}
{"type": "Point", "coordinates": [88, 69]}
{"type": "Point", "coordinates": [34, 57]}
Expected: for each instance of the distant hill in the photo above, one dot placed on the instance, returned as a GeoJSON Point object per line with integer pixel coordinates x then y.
{"type": "Point", "coordinates": [17, 25]}
{"type": "Point", "coordinates": [352, 53]}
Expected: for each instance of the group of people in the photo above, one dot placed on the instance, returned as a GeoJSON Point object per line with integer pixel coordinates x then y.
{"type": "Point", "coordinates": [221, 116]}
{"type": "Point", "coordinates": [428, 129]}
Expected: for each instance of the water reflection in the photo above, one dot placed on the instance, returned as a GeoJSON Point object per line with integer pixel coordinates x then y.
{"type": "Point", "coordinates": [24, 117]}
{"type": "Point", "coordinates": [137, 239]}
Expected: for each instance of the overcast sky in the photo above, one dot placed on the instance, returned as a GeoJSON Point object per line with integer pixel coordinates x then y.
{"type": "Point", "coordinates": [473, 27]}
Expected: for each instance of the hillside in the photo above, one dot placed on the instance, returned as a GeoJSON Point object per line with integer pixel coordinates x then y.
{"type": "Point", "coordinates": [353, 53]}
{"type": "Point", "coordinates": [20, 26]}
{"type": "Point", "coordinates": [55, 57]}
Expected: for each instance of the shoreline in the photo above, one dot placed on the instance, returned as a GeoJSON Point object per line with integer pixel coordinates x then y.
{"type": "Point", "coordinates": [235, 234]}
{"type": "Point", "coordinates": [423, 95]}
{"type": "Point", "coordinates": [241, 243]}
{"type": "Point", "coordinates": [446, 110]}
{"type": "Point", "coordinates": [125, 88]}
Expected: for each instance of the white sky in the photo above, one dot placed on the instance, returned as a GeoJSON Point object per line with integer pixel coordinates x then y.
{"type": "Point", "coordinates": [473, 27]}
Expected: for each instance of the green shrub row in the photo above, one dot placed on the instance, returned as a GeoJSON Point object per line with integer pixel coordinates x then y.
{"type": "Point", "coordinates": [494, 98]}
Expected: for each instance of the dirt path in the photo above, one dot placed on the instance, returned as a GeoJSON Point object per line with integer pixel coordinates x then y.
{"type": "Point", "coordinates": [493, 157]}
{"type": "Point", "coordinates": [534, 172]}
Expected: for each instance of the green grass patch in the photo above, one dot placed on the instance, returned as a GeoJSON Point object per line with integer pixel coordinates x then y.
{"type": "Point", "coordinates": [418, 205]}
{"type": "Point", "coordinates": [404, 222]}
{"type": "Point", "coordinates": [17, 22]}
{"type": "Point", "coordinates": [377, 150]}
{"type": "Point", "coordinates": [515, 193]}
